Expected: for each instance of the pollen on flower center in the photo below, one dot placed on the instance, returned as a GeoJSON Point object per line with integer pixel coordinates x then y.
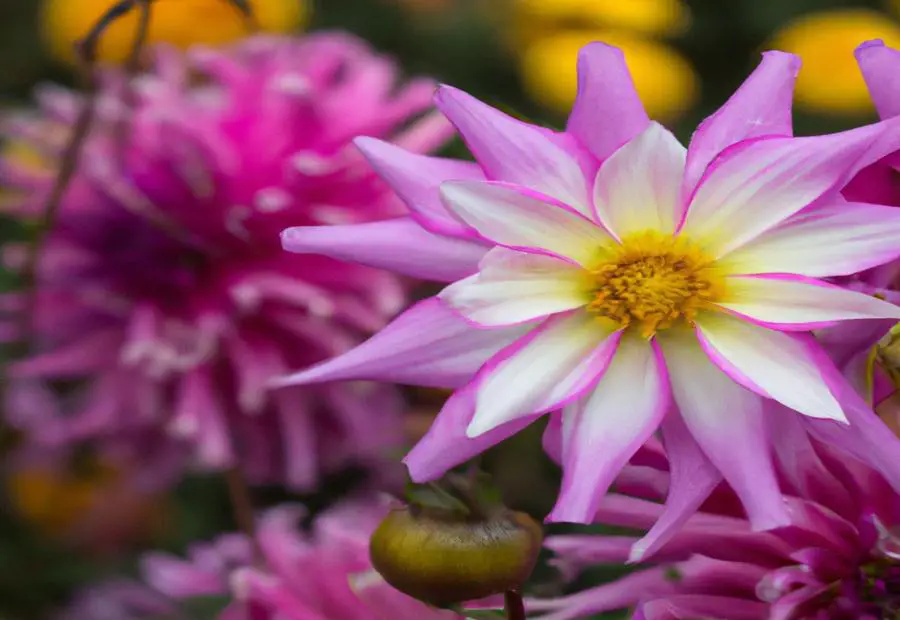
{"type": "Point", "coordinates": [652, 282]}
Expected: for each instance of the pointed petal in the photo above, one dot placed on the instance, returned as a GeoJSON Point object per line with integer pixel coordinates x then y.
{"type": "Point", "coordinates": [416, 179]}
{"type": "Point", "coordinates": [760, 107]}
{"type": "Point", "coordinates": [726, 421]}
{"type": "Point", "coordinates": [399, 245]}
{"type": "Point", "coordinates": [637, 188]}
{"type": "Point", "coordinates": [692, 478]}
{"type": "Point", "coordinates": [771, 363]}
{"type": "Point", "coordinates": [834, 240]}
{"type": "Point", "coordinates": [513, 287]}
{"type": "Point", "coordinates": [446, 443]}
{"type": "Point", "coordinates": [529, 222]}
{"type": "Point", "coordinates": [755, 185]}
{"type": "Point", "coordinates": [800, 304]}
{"type": "Point", "coordinates": [603, 430]}
{"type": "Point", "coordinates": [428, 345]}
{"type": "Point", "coordinates": [608, 111]}
{"type": "Point", "coordinates": [516, 152]}
{"type": "Point", "coordinates": [554, 364]}
{"type": "Point", "coordinates": [879, 65]}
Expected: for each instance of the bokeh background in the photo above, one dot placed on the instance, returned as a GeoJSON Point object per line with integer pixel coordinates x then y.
{"type": "Point", "coordinates": [66, 524]}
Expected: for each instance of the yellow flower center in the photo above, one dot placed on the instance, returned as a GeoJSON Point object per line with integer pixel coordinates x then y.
{"type": "Point", "coordinates": [654, 281]}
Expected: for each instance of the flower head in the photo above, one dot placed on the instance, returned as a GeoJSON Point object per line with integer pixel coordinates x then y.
{"type": "Point", "coordinates": [838, 558]}
{"type": "Point", "coordinates": [163, 283]}
{"type": "Point", "coordinates": [636, 284]}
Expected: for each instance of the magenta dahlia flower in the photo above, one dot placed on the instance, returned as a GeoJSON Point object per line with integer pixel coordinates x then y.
{"type": "Point", "coordinates": [839, 559]}
{"type": "Point", "coordinates": [634, 283]}
{"type": "Point", "coordinates": [163, 283]}
{"type": "Point", "coordinates": [325, 574]}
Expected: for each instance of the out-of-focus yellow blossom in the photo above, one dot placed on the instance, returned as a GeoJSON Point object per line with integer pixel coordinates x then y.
{"type": "Point", "coordinates": [830, 81]}
{"type": "Point", "coordinates": [648, 17]}
{"type": "Point", "coordinates": [665, 80]}
{"type": "Point", "coordinates": [179, 22]}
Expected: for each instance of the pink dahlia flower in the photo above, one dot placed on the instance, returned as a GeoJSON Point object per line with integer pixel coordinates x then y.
{"type": "Point", "coordinates": [839, 559]}
{"type": "Point", "coordinates": [323, 575]}
{"type": "Point", "coordinates": [634, 284]}
{"type": "Point", "coordinates": [164, 284]}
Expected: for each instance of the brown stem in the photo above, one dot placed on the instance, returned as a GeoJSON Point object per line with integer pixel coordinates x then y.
{"type": "Point", "coordinates": [515, 606]}
{"type": "Point", "coordinates": [132, 64]}
{"type": "Point", "coordinates": [242, 506]}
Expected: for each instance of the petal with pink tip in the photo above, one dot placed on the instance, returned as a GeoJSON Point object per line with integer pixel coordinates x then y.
{"type": "Point", "coordinates": [513, 287]}
{"type": "Point", "coordinates": [771, 363]}
{"type": "Point", "coordinates": [608, 111]}
{"type": "Point", "coordinates": [400, 245]}
{"type": "Point", "coordinates": [833, 240]}
{"type": "Point", "coordinates": [693, 478]}
{"type": "Point", "coordinates": [755, 185]}
{"type": "Point", "coordinates": [637, 188]}
{"type": "Point", "coordinates": [760, 107]}
{"type": "Point", "coordinates": [549, 367]}
{"type": "Point", "coordinates": [879, 65]}
{"type": "Point", "coordinates": [516, 152]}
{"type": "Point", "coordinates": [603, 430]}
{"type": "Point", "coordinates": [429, 345]}
{"type": "Point", "coordinates": [800, 304]}
{"type": "Point", "coordinates": [416, 179]}
{"type": "Point", "coordinates": [446, 444]}
{"type": "Point", "coordinates": [510, 217]}
{"type": "Point", "coordinates": [727, 422]}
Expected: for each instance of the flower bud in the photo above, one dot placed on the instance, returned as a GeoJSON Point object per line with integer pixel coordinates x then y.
{"type": "Point", "coordinates": [445, 557]}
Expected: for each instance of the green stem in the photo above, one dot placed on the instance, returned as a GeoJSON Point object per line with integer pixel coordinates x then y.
{"type": "Point", "coordinates": [515, 606]}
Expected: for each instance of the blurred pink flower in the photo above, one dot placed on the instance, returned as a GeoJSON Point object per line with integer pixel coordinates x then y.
{"type": "Point", "coordinates": [163, 283]}
{"type": "Point", "coordinates": [320, 575]}
{"type": "Point", "coordinates": [839, 559]}
{"type": "Point", "coordinates": [633, 283]}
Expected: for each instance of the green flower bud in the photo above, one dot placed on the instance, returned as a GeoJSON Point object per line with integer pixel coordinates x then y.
{"type": "Point", "coordinates": [445, 556]}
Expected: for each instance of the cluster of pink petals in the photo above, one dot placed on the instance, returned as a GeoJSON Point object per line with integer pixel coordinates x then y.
{"type": "Point", "coordinates": [163, 287]}
{"type": "Point", "coordinates": [324, 574]}
{"type": "Point", "coordinates": [530, 218]}
{"type": "Point", "coordinates": [839, 559]}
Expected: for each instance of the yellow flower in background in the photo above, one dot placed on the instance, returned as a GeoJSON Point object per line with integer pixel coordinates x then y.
{"type": "Point", "coordinates": [648, 17]}
{"type": "Point", "coordinates": [179, 22]}
{"type": "Point", "coordinates": [665, 80]}
{"type": "Point", "coordinates": [830, 81]}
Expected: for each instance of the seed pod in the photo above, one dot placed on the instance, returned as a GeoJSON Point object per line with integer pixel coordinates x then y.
{"type": "Point", "coordinates": [443, 558]}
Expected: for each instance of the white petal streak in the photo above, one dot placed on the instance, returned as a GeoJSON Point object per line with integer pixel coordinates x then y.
{"type": "Point", "coordinates": [638, 187]}
{"type": "Point", "coordinates": [512, 287]}
{"type": "Point", "coordinates": [833, 240]}
{"type": "Point", "coordinates": [802, 303]}
{"type": "Point", "coordinates": [553, 365]}
{"type": "Point", "coordinates": [509, 216]}
{"type": "Point", "coordinates": [604, 430]}
{"type": "Point", "coordinates": [770, 362]}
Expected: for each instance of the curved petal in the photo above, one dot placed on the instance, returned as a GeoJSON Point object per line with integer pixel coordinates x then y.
{"type": "Point", "coordinates": [692, 478]}
{"type": "Point", "coordinates": [513, 287]}
{"type": "Point", "coordinates": [608, 111]}
{"type": "Point", "coordinates": [516, 152]}
{"type": "Point", "coordinates": [833, 240]}
{"type": "Point", "coordinates": [755, 185]}
{"type": "Point", "coordinates": [603, 430]}
{"type": "Point", "coordinates": [552, 365]}
{"type": "Point", "coordinates": [400, 245]}
{"type": "Point", "coordinates": [800, 304]}
{"type": "Point", "coordinates": [530, 222]}
{"type": "Point", "coordinates": [446, 444]}
{"type": "Point", "coordinates": [771, 363]}
{"type": "Point", "coordinates": [637, 188]}
{"type": "Point", "coordinates": [879, 65]}
{"type": "Point", "coordinates": [428, 345]}
{"type": "Point", "coordinates": [416, 179]}
{"type": "Point", "coordinates": [726, 421]}
{"type": "Point", "coordinates": [760, 107]}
